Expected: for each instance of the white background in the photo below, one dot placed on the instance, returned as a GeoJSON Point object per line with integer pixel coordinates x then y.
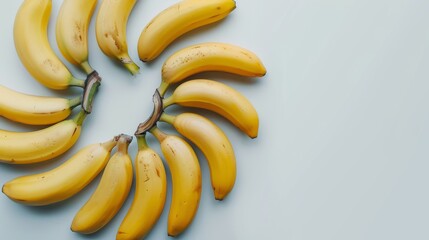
{"type": "Point", "coordinates": [344, 132]}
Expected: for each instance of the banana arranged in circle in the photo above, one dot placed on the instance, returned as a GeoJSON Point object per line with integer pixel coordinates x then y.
{"type": "Point", "coordinates": [34, 110]}
{"type": "Point", "coordinates": [72, 31]}
{"type": "Point", "coordinates": [33, 48]}
{"type": "Point", "coordinates": [214, 144]}
{"type": "Point", "coordinates": [177, 20]}
{"type": "Point", "coordinates": [150, 194]}
{"type": "Point", "coordinates": [111, 29]}
{"type": "Point", "coordinates": [111, 192]}
{"type": "Point", "coordinates": [210, 57]}
{"type": "Point", "coordinates": [219, 98]}
{"type": "Point", "coordinates": [41, 145]}
{"type": "Point", "coordinates": [63, 181]}
{"type": "Point", "coordinates": [186, 179]}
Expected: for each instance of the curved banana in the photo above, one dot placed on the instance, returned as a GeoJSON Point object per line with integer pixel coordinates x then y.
{"type": "Point", "coordinates": [111, 192]}
{"type": "Point", "coordinates": [215, 146]}
{"type": "Point", "coordinates": [41, 145]}
{"type": "Point", "coordinates": [34, 110]}
{"type": "Point", "coordinates": [111, 28]}
{"type": "Point", "coordinates": [63, 181]}
{"type": "Point", "coordinates": [220, 98]}
{"type": "Point", "coordinates": [72, 31]}
{"type": "Point", "coordinates": [210, 57]}
{"type": "Point", "coordinates": [177, 20]}
{"type": "Point", "coordinates": [150, 193]}
{"type": "Point", "coordinates": [186, 179]}
{"type": "Point", "coordinates": [32, 45]}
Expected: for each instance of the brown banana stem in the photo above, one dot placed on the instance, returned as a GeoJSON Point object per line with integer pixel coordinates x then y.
{"type": "Point", "coordinates": [93, 81]}
{"type": "Point", "coordinates": [154, 118]}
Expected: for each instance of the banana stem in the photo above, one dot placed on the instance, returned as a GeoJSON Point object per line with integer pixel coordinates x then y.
{"type": "Point", "coordinates": [130, 65]}
{"type": "Point", "coordinates": [163, 88]}
{"type": "Point", "coordinates": [80, 118]}
{"type": "Point", "coordinates": [86, 67]}
{"type": "Point", "coordinates": [123, 143]}
{"type": "Point", "coordinates": [166, 102]}
{"type": "Point", "coordinates": [77, 82]}
{"type": "Point", "coordinates": [153, 119]}
{"type": "Point", "coordinates": [74, 102]}
{"type": "Point", "coordinates": [167, 118]}
{"type": "Point", "coordinates": [109, 145]}
{"type": "Point", "coordinates": [141, 142]}
{"type": "Point", "coordinates": [93, 81]}
{"type": "Point", "coordinates": [160, 135]}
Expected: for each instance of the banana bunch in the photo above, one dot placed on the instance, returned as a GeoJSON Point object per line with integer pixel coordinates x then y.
{"type": "Point", "coordinates": [206, 135]}
{"type": "Point", "coordinates": [66, 180]}
{"type": "Point", "coordinates": [36, 54]}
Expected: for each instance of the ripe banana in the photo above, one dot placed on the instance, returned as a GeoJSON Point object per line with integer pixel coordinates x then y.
{"type": "Point", "coordinates": [32, 45]}
{"type": "Point", "coordinates": [149, 198]}
{"type": "Point", "coordinates": [177, 20]}
{"type": "Point", "coordinates": [34, 110]}
{"type": "Point", "coordinates": [215, 146]}
{"type": "Point", "coordinates": [210, 57]}
{"type": "Point", "coordinates": [63, 181]}
{"type": "Point", "coordinates": [72, 31]}
{"type": "Point", "coordinates": [111, 28]}
{"type": "Point", "coordinates": [111, 192]}
{"type": "Point", "coordinates": [41, 145]}
{"type": "Point", "coordinates": [220, 98]}
{"type": "Point", "coordinates": [186, 179]}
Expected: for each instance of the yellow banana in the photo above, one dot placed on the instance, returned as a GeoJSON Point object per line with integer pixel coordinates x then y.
{"type": "Point", "coordinates": [111, 28]}
{"type": "Point", "coordinates": [72, 31]}
{"type": "Point", "coordinates": [220, 98]}
{"type": "Point", "coordinates": [41, 145]}
{"type": "Point", "coordinates": [34, 110]}
{"type": "Point", "coordinates": [186, 179]}
{"type": "Point", "coordinates": [177, 20]}
{"type": "Point", "coordinates": [210, 57]}
{"type": "Point", "coordinates": [111, 192]}
{"type": "Point", "coordinates": [63, 181]}
{"type": "Point", "coordinates": [215, 146]}
{"type": "Point", "coordinates": [32, 45]}
{"type": "Point", "coordinates": [149, 198]}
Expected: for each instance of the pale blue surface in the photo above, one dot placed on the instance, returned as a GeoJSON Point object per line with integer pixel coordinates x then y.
{"type": "Point", "coordinates": [343, 147]}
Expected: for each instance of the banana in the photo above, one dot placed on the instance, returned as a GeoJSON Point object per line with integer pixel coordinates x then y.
{"type": "Point", "coordinates": [215, 146]}
{"type": "Point", "coordinates": [34, 110]}
{"type": "Point", "coordinates": [111, 192]}
{"type": "Point", "coordinates": [63, 181]}
{"type": "Point", "coordinates": [72, 31]}
{"type": "Point", "coordinates": [210, 57]}
{"type": "Point", "coordinates": [41, 145]}
{"type": "Point", "coordinates": [110, 29]}
{"type": "Point", "coordinates": [186, 179]}
{"type": "Point", "coordinates": [177, 20]}
{"type": "Point", "coordinates": [32, 45]}
{"type": "Point", "coordinates": [220, 98]}
{"type": "Point", "coordinates": [150, 193]}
